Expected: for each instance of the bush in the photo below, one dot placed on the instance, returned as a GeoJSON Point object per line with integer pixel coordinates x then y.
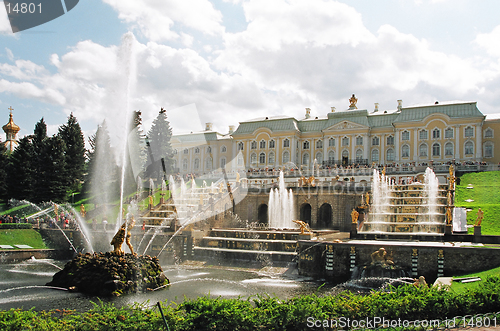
{"type": "Point", "coordinates": [4, 226]}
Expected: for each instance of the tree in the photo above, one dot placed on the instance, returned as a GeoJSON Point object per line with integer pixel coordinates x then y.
{"type": "Point", "coordinates": [4, 165]}
{"type": "Point", "coordinates": [38, 141]}
{"type": "Point", "coordinates": [20, 171]}
{"type": "Point", "coordinates": [53, 183]}
{"type": "Point", "coordinates": [160, 155]}
{"type": "Point", "coordinates": [72, 135]}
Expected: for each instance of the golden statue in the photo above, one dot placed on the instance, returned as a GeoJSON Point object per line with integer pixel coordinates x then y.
{"type": "Point", "coordinates": [354, 216]}
{"type": "Point", "coordinates": [367, 198]}
{"type": "Point", "coordinates": [449, 216]}
{"type": "Point", "coordinates": [353, 100]}
{"type": "Point", "coordinates": [150, 198]}
{"type": "Point", "coordinates": [380, 257]}
{"type": "Point", "coordinates": [479, 219]}
{"type": "Point", "coordinates": [237, 177]}
{"type": "Point", "coordinates": [82, 210]}
{"type": "Point", "coordinates": [304, 227]}
{"type": "Point", "coordinates": [120, 237]}
{"type": "Point", "coordinates": [452, 178]}
{"type": "Point", "coordinates": [383, 171]}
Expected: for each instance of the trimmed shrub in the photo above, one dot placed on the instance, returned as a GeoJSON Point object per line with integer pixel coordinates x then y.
{"type": "Point", "coordinates": [4, 226]}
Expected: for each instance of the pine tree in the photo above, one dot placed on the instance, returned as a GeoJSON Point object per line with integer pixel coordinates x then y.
{"type": "Point", "coordinates": [38, 168]}
{"type": "Point", "coordinates": [4, 164]}
{"type": "Point", "coordinates": [72, 135]}
{"type": "Point", "coordinates": [20, 171]}
{"type": "Point", "coordinates": [53, 183]}
{"type": "Point", "coordinates": [159, 150]}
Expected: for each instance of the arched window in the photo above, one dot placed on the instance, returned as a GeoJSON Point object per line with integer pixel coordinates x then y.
{"type": "Point", "coordinates": [262, 158]}
{"type": "Point", "coordinates": [319, 144]}
{"type": "Point", "coordinates": [209, 149]}
{"type": "Point", "coordinates": [390, 155]}
{"type": "Point", "coordinates": [196, 164]}
{"type": "Point", "coordinates": [253, 145]}
{"type": "Point", "coordinates": [359, 155]}
{"type": "Point", "coordinates": [488, 149]}
{"type": "Point", "coordinates": [448, 133]}
{"type": "Point", "coordinates": [359, 141]}
{"type": "Point", "coordinates": [184, 164]}
{"type": "Point", "coordinates": [208, 163]}
{"type": "Point", "coordinates": [345, 153]}
{"type": "Point", "coordinates": [286, 143]}
{"type": "Point", "coordinates": [305, 159]}
{"type": "Point", "coordinates": [469, 148]}
{"type": "Point", "coordinates": [271, 158]}
{"type": "Point", "coordinates": [240, 146]}
{"type": "Point", "coordinates": [197, 150]}
{"type": "Point", "coordinates": [331, 142]}
{"type": "Point", "coordinates": [448, 148]}
{"type": "Point", "coordinates": [286, 157]}
{"type": "Point", "coordinates": [319, 158]}
{"type": "Point", "coordinates": [405, 151]}
{"type": "Point", "coordinates": [422, 150]}
{"type": "Point", "coordinates": [306, 145]}
{"type": "Point", "coordinates": [240, 159]}
{"type": "Point", "coordinates": [405, 135]}
{"type": "Point", "coordinates": [223, 149]}
{"type": "Point", "coordinates": [469, 132]}
{"type": "Point", "coordinates": [331, 156]}
{"type": "Point", "coordinates": [186, 151]}
{"type": "Point", "coordinates": [375, 141]}
{"type": "Point", "coordinates": [345, 141]}
{"type": "Point", "coordinates": [253, 159]}
{"type": "Point", "coordinates": [375, 155]}
{"type": "Point", "coordinates": [390, 140]}
{"type": "Point", "coordinates": [436, 134]}
{"type": "Point", "coordinates": [271, 144]}
{"type": "Point", "coordinates": [223, 162]}
{"type": "Point", "coordinates": [422, 134]}
{"type": "Point", "coordinates": [262, 144]}
{"type": "Point", "coordinates": [436, 149]}
{"type": "Point", "coordinates": [488, 133]}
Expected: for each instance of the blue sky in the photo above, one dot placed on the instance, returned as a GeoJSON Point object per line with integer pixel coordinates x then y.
{"type": "Point", "coordinates": [226, 61]}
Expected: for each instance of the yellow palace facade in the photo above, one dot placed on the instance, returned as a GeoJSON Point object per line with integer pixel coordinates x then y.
{"type": "Point", "coordinates": [437, 133]}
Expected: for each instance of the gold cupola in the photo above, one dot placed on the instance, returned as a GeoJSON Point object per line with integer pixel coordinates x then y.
{"type": "Point", "coordinates": [11, 130]}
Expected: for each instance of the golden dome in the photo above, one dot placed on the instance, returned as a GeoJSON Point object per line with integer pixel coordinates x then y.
{"type": "Point", "coordinates": [11, 127]}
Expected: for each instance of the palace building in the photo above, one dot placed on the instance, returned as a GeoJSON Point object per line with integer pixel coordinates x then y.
{"type": "Point", "coordinates": [437, 133]}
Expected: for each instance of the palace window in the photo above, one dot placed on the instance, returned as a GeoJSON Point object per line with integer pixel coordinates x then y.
{"type": "Point", "coordinates": [488, 149]}
{"type": "Point", "coordinates": [208, 163]}
{"type": "Point", "coordinates": [240, 146]}
{"type": "Point", "coordinates": [436, 134]}
{"type": "Point", "coordinates": [448, 149]}
{"type": "Point", "coordinates": [469, 148]}
{"type": "Point", "coordinates": [422, 134]}
{"type": "Point", "coordinates": [436, 149]}
{"type": "Point", "coordinates": [359, 141]}
{"type": "Point", "coordinates": [184, 164]}
{"type": "Point", "coordinates": [390, 140]}
{"type": "Point", "coordinates": [262, 158]}
{"type": "Point", "coordinates": [331, 156]}
{"type": "Point", "coordinates": [209, 149]}
{"type": "Point", "coordinates": [223, 149]}
{"type": "Point", "coordinates": [186, 151]}
{"type": "Point", "coordinates": [488, 133]}
{"type": "Point", "coordinates": [271, 144]}
{"type": "Point", "coordinates": [345, 141]}
{"type": "Point", "coordinates": [305, 159]}
{"type": "Point", "coordinates": [319, 144]}
{"type": "Point", "coordinates": [196, 164]}
{"type": "Point", "coordinates": [306, 145]}
{"type": "Point", "coordinates": [375, 141]}
{"type": "Point", "coordinates": [405, 135]}
{"type": "Point", "coordinates": [240, 159]}
{"type": "Point", "coordinates": [286, 157]}
{"type": "Point", "coordinates": [359, 155]}
{"type": "Point", "coordinates": [197, 150]}
{"type": "Point", "coordinates": [286, 143]}
{"type": "Point", "coordinates": [422, 151]}
{"type": "Point", "coordinates": [469, 132]}
{"type": "Point", "coordinates": [253, 145]}
{"type": "Point", "coordinates": [375, 157]}
{"type": "Point", "coordinates": [448, 133]}
{"type": "Point", "coordinates": [271, 158]}
{"type": "Point", "coordinates": [253, 158]}
{"type": "Point", "coordinates": [405, 151]}
{"type": "Point", "coordinates": [331, 142]}
{"type": "Point", "coordinates": [262, 144]}
{"type": "Point", "coordinates": [319, 158]}
{"type": "Point", "coordinates": [223, 162]}
{"type": "Point", "coordinates": [390, 155]}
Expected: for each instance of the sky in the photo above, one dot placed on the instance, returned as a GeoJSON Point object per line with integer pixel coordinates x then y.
{"type": "Point", "coordinates": [227, 61]}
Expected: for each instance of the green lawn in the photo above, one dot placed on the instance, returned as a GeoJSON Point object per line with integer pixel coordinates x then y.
{"type": "Point", "coordinates": [22, 237]}
{"type": "Point", "coordinates": [486, 195]}
{"type": "Point", "coordinates": [461, 287]}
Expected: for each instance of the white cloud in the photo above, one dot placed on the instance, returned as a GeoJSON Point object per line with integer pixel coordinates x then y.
{"type": "Point", "coordinates": [4, 22]}
{"type": "Point", "coordinates": [157, 19]}
{"type": "Point", "coordinates": [489, 41]}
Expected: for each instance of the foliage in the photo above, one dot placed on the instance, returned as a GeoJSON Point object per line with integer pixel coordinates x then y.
{"type": "Point", "coordinates": [74, 158]}
{"type": "Point", "coordinates": [16, 226]}
{"type": "Point", "coordinates": [20, 171]}
{"type": "Point", "coordinates": [160, 155]}
{"type": "Point", "coordinates": [486, 195]}
{"type": "Point", "coordinates": [4, 164]}
{"type": "Point", "coordinates": [22, 236]}
{"type": "Point", "coordinates": [268, 313]}
{"type": "Point", "coordinates": [460, 287]}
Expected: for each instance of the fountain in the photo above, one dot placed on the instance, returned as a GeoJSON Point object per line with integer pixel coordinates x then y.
{"type": "Point", "coordinates": [415, 208]}
{"type": "Point", "coordinates": [281, 206]}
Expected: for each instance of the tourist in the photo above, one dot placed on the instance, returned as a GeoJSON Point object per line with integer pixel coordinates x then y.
{"type": "Point", "coordinates": [104, 224]}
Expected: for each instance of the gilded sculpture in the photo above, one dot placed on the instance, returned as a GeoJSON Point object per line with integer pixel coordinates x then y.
{"type": "Point", "coordinates": [120, 237]}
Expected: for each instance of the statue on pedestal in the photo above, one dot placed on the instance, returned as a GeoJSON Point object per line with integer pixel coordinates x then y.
{"type": "Point", "coordinates": [353, 100]}
{"type": "Point", "coordinates": [120, 237]}
{"type": "Point", "coordinates": [380, 257]}
{"type": "Point", "coordinates": [354, 216]}
{"type": "Point", "coordinates": [479, 219]}
{"type": "Point", "coordinates": [304, 227]}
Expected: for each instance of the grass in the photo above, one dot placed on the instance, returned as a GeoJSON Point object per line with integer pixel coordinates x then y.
{"type": "Point", "coordinates": [461, 287]}
{"type": "Point", "coordinates": [486, 195]}
{"type": "Point", "coordinates": [22, 237]}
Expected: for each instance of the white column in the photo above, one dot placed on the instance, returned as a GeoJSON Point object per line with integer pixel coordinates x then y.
{"type": "Point", "coordinates": [457, 142]}
{"type": "Point", "coordinates": [234, 161]}
{"type": "Point", "coordinates": [415, 145]}
{"type": "Point", "coordinates": [352, 141]}
{"type": "Point", "coordinates": [337, 148]}
{"type": "Point", "coordinates": [293, 150]}
{"type": "Point", "coordinates": [325, 148]}
{"type": "Point", "coordinates": [366, 147]}
{"type": "Point", "coordinates": [479, 142]}
{"type": "Point", "coordinates": [396, 144]}
{"type": "Point", "coordinates": [246, 146]}
{"type": "Point", "coordinates": [382, 149]}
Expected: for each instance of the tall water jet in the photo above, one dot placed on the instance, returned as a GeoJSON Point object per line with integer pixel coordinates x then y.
{"type": "Point", "coordinates": [381, 199]}
{"type": "Point", "coordinates": [431, 185]}
{"type": "Point", "coordinates": [281, 206]}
